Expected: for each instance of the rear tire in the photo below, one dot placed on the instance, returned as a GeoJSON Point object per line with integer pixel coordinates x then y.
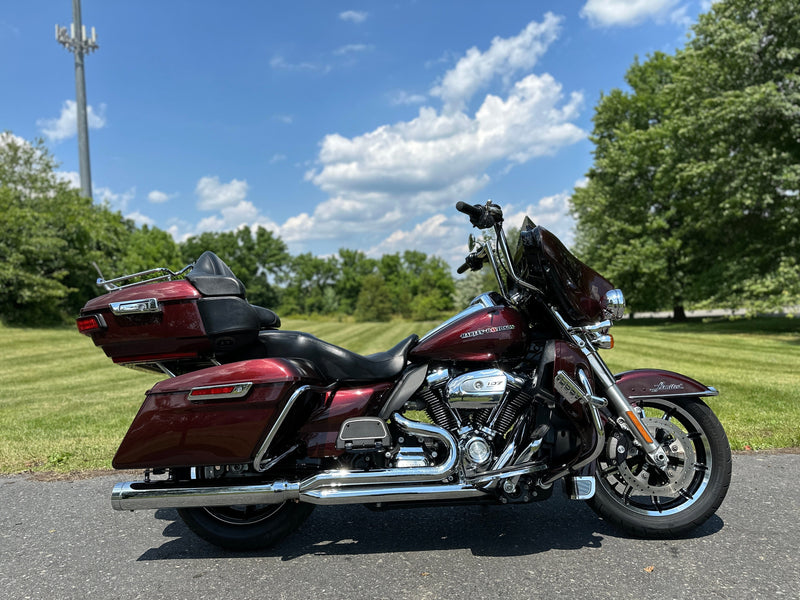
{"type": "Point", "coordinates": [242, 528]}
{"type": "Point", "coordinates": [648, 502]}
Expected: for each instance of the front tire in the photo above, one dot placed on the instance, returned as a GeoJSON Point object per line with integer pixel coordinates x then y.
{"type": "Point", "coordinates": [251, 527]}
{"type": "Point", "coordinates": [640, 498]}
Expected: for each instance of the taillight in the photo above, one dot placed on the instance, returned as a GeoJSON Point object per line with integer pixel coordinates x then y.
{"type": "Point", "coordinates": [227, 391]}
{"type": "Point", "coordinates": [90, 324]}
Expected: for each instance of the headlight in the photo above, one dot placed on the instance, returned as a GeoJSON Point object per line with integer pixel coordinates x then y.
{"type": "Point", "coordinates": [614, 304]}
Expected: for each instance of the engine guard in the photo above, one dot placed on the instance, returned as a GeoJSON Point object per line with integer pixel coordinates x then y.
{"type": "Point", "coordinates": [655, 383]}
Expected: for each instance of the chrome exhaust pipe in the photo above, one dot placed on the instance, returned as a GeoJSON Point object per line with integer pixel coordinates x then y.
{"type": "Point", "coordinates": [134, 495]}
{"type": "Point", "coordinates": [330, 487]}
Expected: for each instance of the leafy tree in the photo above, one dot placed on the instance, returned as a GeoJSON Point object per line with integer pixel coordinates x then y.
{"type": "Point", "coordinates": [374, 301]}
{"type": "Point", "coordinates": [308, 285]}
{"type": "Point", "coordinates": [50, 238]}
{"type": "Point", "coordinates": [693, 195]}
{"type": "Point", "coordinates": [354, 266]}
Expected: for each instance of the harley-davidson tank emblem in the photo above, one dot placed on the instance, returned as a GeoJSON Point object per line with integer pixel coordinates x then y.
{"type": "Point", "coordinates": [477, 332]}
{"type": "Point", "coordinates": [662, 386]}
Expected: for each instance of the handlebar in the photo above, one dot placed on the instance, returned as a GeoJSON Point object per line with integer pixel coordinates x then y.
{"type": "Point", "coordinates": [474, 211]}
{"type": "Point", "coordinates": [482, 217]}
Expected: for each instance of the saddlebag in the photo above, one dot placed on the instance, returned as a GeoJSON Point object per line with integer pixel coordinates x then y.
{"type": "Point", "coordinates": [215, 416]}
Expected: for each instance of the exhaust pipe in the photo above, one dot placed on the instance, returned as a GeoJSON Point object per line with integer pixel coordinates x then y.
{"type": "Point", "coordinates": [330, 487]}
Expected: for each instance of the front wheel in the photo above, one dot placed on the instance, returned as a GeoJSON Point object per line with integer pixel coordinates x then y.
{"type": "Point", "coordinates": [646, 501]}
{"type": "Point", "coordinates": [246, 527]}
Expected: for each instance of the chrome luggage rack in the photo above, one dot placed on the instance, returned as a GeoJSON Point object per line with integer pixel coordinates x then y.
{"type": "Point", "coordinates": [161, 273]}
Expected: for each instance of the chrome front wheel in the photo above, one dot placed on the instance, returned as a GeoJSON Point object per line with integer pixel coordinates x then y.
{"type": "Point", "coordinates": [652, 502]}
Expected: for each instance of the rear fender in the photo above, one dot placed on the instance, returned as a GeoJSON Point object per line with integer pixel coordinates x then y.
{"type": "Point", "coordinates": [220, 423]}
{"type": "Point", "coordinates": [655, 383]}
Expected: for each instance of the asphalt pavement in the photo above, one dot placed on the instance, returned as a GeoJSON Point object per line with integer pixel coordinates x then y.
{"type": "Point", "coordinates": [62, 540]}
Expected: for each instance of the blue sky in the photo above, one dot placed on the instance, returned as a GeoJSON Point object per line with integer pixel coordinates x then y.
{"type": "Point", "coordinates": [353, 124]}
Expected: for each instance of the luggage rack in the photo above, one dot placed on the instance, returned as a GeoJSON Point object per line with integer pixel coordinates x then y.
{"type": "Point", "coordinates": [161, 273]}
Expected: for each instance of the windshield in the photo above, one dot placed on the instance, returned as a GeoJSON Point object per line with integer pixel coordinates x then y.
{"type": "Point", "coordinates": [543, 261]}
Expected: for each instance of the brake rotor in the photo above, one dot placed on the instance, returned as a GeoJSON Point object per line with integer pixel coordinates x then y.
{"type": "Point", "coordinates": [648, 479]}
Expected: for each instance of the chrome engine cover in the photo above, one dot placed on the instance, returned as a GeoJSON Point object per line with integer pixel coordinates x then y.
{"type": "Point", "coordinates": [478, 389]}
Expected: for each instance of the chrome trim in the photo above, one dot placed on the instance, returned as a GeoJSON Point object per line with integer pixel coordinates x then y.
{"type": "Point", "coordinates": [581, 487]}
{"type": "Point", "coordinates": [426, 493]}
{"type": "Point", "coordinates": [484, 299]}
{"type": "Point", "coordinates": [614, 304]}
{"type": "Point", "coordinates": [133, 496]}
{"type": "Point", "coordinates": [478, 389]}
{"type": "Point", "coordinates": [278, 422]}
{"type": "Point", "coordinates": [129, 496]}
{"type": "Point", "coordinates": [110, 284]}
{"type": "Point", "coordinates": [240, 390]}
{"type": "Point", "coordinates": [471, 309]}
{"type": "Point", "coordinates": [135, 307]}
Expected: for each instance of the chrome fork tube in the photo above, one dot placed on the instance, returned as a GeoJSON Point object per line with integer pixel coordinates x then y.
{"type": "Point", "coordinates": [617, 400]}
{"type": "Point", "coordinates": [624, 411]}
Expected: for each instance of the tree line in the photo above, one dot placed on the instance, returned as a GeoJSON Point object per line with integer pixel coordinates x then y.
{"type": "Point", "coordinates": [52, 238]}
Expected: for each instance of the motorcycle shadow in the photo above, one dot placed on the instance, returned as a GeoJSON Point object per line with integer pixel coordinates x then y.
{"type": "Point", "coordinates": [494, 531]}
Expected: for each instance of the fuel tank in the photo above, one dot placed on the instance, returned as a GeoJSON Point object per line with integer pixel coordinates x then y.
{"type": "Point", "coordinates": [477, 334]}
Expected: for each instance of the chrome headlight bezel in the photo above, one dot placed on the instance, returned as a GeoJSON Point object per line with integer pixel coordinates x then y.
{"type": "Point", "coordinates": [614, 304]}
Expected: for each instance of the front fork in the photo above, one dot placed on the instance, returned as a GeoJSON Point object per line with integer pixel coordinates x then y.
{"type": "Point", "coordinates": [626, 415]}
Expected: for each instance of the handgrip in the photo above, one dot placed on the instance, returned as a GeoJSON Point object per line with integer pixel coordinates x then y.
{"type": "Point", "coordinates": [474, 211]}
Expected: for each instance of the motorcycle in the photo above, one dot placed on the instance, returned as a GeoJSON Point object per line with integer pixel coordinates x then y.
{"type": "Point", "coordinates": [254, 425]}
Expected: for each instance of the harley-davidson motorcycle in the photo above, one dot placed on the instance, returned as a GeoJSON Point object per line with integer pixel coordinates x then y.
{"type": "Point", "coordinates": [255, 425]}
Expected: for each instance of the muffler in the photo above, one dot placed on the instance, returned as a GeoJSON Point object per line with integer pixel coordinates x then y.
{"type": "Point", "coordinates": [330, 487]}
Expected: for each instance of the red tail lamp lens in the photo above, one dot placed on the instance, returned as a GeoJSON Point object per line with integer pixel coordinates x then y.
{"type": "Point", "coordinates": [220, 392]}
{"type": "Point", "coordinates": [90, 324]}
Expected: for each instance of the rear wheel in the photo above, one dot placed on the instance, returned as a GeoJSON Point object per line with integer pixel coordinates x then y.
{"type": "Point", "coordinates": [647, 501]}
{"type": "Point", "coordinates": [246, 527]}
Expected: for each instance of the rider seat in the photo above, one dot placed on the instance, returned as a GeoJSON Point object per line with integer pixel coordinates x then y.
{"type": "Point", "coordinates": [334, 363]}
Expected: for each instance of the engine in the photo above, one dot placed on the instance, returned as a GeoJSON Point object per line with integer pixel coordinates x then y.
{"type": "Point", "coordinates": [478, 408]}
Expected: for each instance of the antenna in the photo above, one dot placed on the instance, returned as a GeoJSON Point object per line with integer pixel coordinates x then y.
{"type": "Point", "coordinates": [80, 45]}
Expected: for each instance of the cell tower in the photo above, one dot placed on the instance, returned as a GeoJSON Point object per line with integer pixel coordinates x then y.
{"type": "Point", "coordinates": [75, 41]}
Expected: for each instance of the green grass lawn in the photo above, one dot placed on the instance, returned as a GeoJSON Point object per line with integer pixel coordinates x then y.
{"type": "Point", "coordinates": [65, 406]}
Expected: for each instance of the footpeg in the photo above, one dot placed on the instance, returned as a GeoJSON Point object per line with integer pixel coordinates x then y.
{"type": "Point", "coordinates": [580, 487]}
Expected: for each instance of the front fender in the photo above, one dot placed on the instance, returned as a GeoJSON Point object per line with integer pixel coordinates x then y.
{"type": "Point", "coordinates": [655, 383]}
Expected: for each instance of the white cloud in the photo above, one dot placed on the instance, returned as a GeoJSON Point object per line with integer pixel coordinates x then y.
{"type": "Point", "coordinates": [6, 138]}
{"type": "Point", "coordinates": [214, 195]}
{"type": "Point", "coordinates": [159, 197]}
{"type": "Point", "coordinates": [626, 13]}
{"type": "Point", "coordinates": [116, 200]}
{"type": "Point", "coordinates": [354, 16]}
{"type": "Point", "coordinates": [504, 58]}
{"type": "Point", "coordinates": [277, 158]}
{"type": "Point", "coordinates": [72, 178]}
{"type": "Point", "coordinates": [425, 163]}
{"type": "Point", "coordinates": [402, 97]}
{"type": "Point", "coordinates": [441, 235]}
{"type": "Point", "coordinates": [352, 49]}
{"type": "Point", "coordinates": [140, 219]}
{"type": "Point", "coordinates": [66, 125]}
{"type": "Point", "coordinates": [278, 62]}
{"type": "Point", "coordinates": [551, 212]}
